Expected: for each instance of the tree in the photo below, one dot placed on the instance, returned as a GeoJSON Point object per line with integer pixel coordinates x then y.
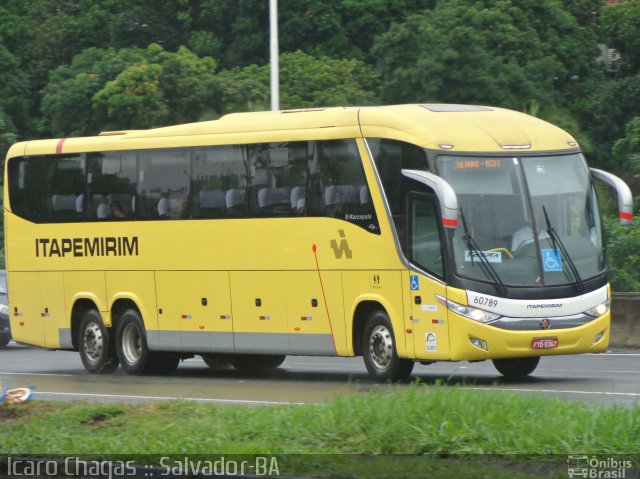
{"type": "Point", "coordinates": [620, 29]}
{"type": "Point", "coordinates": [14, 91]}
{"type": "Point", "coordinates": [7, 135]}
{"type": "Point", "coordinates": [496, 52]}
{"type": "Point", "coordinates": [128, 88]}
{"type": "Point", "coordinates": [626, 154]}
{"type": "Point", "coordinates": [604, 111]}
{"type": "Point", "coordinates": [305, 81]}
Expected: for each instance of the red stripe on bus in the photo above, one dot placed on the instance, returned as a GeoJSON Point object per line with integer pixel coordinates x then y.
{"type": "Point", "coordinates": [59, 146]}
{"type": "Point", "coordinates": [448, 222]}
{"type": "Point", "coordinates": [626, 216]}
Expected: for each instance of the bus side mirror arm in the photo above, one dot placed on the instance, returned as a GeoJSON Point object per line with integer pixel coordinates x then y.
{"type": "Point", "coordinates": [625, 197]}
{"type": "Point", "coordinates": [445, 193]}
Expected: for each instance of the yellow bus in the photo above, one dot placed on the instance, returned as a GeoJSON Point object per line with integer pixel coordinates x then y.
{"type": "Point", "coordinates": [403, 234]}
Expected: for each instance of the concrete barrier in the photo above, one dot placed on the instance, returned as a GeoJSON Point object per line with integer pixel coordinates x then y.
{"type": "Point", "coordinates": [625, 321]}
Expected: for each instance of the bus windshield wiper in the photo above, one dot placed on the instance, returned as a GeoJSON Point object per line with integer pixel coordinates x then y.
{"type": "Point", "coordinates": [487, 267]}
{"type": "Point", "coordinates": [558, 244]}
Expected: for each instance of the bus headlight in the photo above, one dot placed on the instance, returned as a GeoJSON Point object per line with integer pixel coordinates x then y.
{"type": "Point", "coordinates": [599, 310]}
{"type": "Point", "coordinates": [4, 309]}
{"type": "Point", "coordinates": [470, 312]}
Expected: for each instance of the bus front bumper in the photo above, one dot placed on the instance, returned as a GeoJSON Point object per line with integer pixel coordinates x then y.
{"type": "Point", "coordinates": [478, 341]}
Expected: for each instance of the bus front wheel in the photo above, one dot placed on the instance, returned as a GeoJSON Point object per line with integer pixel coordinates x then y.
{"type": "Point", "coordinates": [95, 345]}
{"type": "Point", "coordinates": [379, 350]}
{"type": "Point", "coordinates": [516, 368]}
{"type": "Point", "coordinates": [131, 341]}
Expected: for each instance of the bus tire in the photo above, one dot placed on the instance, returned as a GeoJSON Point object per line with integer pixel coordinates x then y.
{"type": "Point", "coordinates": [248, 363]}
{"type": "Point", "coordinates": [95, 344]}
{"type": "Point", "coordinates": [215, 361]}
{"type": "Point", "coordinates": [516, 368]}
{"type": "Point", "coordinates": [379, 350]}
{"type": "Point", "coordinates": [131, 341]}
{"type": "Point", "coordinates": [164, 363]}
{"type": "Point", "coordinates": [4, 340]}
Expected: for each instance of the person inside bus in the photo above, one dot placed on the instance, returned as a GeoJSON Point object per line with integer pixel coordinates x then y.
{"type": "Point", "coordinates": [116, 209]}
{"type": "Point", "coordinates": [524, 236]}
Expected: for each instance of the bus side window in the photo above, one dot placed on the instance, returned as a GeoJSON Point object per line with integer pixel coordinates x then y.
{"type": "Point", "coordinates": [219, 182]}
{"type": "Point", "coordinates": [65, 184]}
{"type": "Point", "coordinates": [341, 177]}
{"type": "Point", "coordinates": [163, 183]}
{"type": "Point", "coordinates": [424, 238]}
{"type": "Point", "coordinates": [278, 174]}
{"type": "Point", "coordinates": [111, 185]}
{"type": "Point", "coordinates": [26, 181]}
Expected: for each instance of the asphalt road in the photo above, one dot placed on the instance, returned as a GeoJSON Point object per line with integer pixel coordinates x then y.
{"type": "Point", "coordinates": [611, 378]}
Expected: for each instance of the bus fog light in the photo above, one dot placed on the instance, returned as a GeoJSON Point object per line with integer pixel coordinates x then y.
{"type": "Point", "coordinates": [598, 337]}
{"type": "Point", "coordinates": [479, 343]}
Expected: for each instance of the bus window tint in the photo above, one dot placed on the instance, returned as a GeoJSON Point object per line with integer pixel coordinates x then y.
{"type": "Point", "coordinates": [424, 239]}
{"type": "Point", "coordinates": [26, 192]}
{"type": "Point", "coordinates": [65, 188]}
{"type": "Point", "coordinates": [278, 177]}
{"type": "Point", "coordinates": [111, 185]}
{"type": "Point", "coordinates": [219, 182]}
{"type": "Point", "coordinates": [163, 183]}
{"type": "Point", "coordinates": [391, 157]}
{"type": "Point", "coordinates": [337, 185]}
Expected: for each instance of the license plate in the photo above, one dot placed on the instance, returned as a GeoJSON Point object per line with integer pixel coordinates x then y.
{"type": "Point", "coordinates": [545, 343]}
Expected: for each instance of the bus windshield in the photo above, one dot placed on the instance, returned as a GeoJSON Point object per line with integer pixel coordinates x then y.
{"type": "Point", "coordinates": [535, 219]}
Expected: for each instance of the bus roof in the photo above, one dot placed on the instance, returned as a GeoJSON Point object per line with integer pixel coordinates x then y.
{"type": "Point", "coordinates": [457, 128]}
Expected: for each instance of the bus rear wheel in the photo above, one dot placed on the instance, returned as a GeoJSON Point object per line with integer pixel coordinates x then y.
{"type": "Point", "coordinates": [379, 350]}
{"type": "Point", "coordinates": [516, 368]}
{"type": "Point", "coordinates": [247, 363]}
{"type": "Point", "coordinates": [131, 341]}
{"type": "Point", "coordinates": [95, 344]}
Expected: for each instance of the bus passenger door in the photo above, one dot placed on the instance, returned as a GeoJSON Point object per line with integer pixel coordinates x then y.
{"type": "Point", "coordinates": [429, 326]}
{"type": "Point", "coordinates": [25, 299]}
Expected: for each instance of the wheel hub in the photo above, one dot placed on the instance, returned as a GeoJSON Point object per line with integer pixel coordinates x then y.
{"type": "Point", "coordinates": [93, 342]}
{"type": "Point", "coordinates": [131, 344]}
{"type": "Point", "coordinates": [381, 347]}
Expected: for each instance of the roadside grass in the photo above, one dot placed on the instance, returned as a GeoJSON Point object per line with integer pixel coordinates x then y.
{"type": "Point", "coordinates": [435, 422]}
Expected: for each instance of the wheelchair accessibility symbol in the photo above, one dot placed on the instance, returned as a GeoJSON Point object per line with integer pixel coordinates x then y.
{"type": "Point", "coordinates": [415, 283]}
{"type": "Point", "coordinates": [551, 260]}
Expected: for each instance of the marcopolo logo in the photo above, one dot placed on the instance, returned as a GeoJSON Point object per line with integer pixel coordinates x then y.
{"type": "Point", "coordinates": [343, 248]}
{"type": "Point", "coordinates": [598, 467]}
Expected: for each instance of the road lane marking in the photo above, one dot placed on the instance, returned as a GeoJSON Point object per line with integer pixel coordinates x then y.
{"type": "Point", "coordinates": [616, 354]}
{"type": "Point", "coordinates": [169, 398]}
{"type": "Point", "coordinates": [564, 391]}
{"type": "Point", "coordinates": [35, 374]}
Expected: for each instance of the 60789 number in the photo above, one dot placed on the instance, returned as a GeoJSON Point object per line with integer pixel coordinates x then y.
{"type": "Point", "coordinates": [482, 301]}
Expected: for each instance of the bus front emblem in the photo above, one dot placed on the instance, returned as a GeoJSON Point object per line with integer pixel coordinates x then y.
{"type": "Point", "coordinates": [545, 324]}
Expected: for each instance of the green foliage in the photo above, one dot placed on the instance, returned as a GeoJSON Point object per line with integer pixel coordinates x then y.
{"type": "Point", "coordinates": [494, 52]}
{"type": "Point", "coordinates": [620, 29]}
{"type": "Point", "coordinates": [416, 420]}
{"type": "Point", "coordinates": [623, 249]}
{"type": "Point", "coordinates": [626, 151]}
{"type": "Point", "coordinates": [305, 81]}
{"type": "Point", "coordinates": [128, 88]}
{"type": "Point", "coordinates": [7, 135]}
